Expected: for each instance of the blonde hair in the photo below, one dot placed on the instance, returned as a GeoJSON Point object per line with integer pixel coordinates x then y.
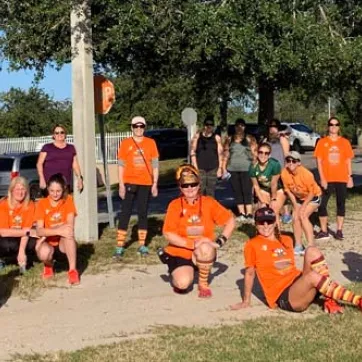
{"type": "Point", "coordinates": [15, 181]}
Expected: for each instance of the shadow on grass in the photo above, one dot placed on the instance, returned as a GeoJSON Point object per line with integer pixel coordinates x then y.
{"type": "Point", "coordinates": [7, 284]}
{"type": "Point", "coordinates": [354, 263]}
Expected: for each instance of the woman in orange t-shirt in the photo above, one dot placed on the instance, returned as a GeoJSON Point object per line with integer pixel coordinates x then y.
{"type": "Point", "coordinates": [270, 255]}
{"type": "Point", "coordinates": [305, 196]}
{"type": "Point", "coordinates": [55, 216]}
{"type": "Point", "coordinates": [17, 238]}
{"type": "Point", "coordinates": [334, 160]}
{"type": "Point", "coordinates": [189, 229]}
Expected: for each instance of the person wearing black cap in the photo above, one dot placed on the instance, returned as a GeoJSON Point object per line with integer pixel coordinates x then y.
{"type": "Point", "coordinates": [206, 156]}
{"type": "Point", "coordinates": [280, 147]}
{"type": "Point", "coordinates": [239, 152]}
{"type": "Point", "coordinates": [270, 256]}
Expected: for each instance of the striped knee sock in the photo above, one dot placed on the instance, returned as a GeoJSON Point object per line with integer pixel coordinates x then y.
{"type": "Point", "coordinates": [142, 234]}
{"type": "Point", "coordinates": [332, 289]}
{"type": "Point", "coordinates": [121, 237]}
{"type": "Point", "coordinates": [320, 266]}
{"type": "Point", "coordinates": [204, 272]}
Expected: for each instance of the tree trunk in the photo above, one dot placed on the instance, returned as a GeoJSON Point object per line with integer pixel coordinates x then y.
{"type": "Point", "coordinates": [266, 101]}
{"type": "Point", "coordinates": [224, 111]}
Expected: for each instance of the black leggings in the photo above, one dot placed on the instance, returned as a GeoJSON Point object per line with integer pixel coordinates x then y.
{"type": "Point", "coordinates": [142, 193]}
{"type": "Point", "coordinates": [9, 247]}
{"type": "Point", "coordinates": [242, 187]}
{"type": "Point", "coordinates": [340, 188]}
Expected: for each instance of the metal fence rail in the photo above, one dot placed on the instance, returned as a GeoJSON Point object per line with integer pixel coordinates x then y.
{"type": "Point", "coordinates": [34, 144]}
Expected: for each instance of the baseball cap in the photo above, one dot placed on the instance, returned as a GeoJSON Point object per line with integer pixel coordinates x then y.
{"type": "Point", "coordinates": [294, 155]}
{"type": "Point", "coordinates": [187, 174]}
{"type": "Point", "coordinates": [265, 214]}
{"type": "Point", "coordinates": [138, 120]}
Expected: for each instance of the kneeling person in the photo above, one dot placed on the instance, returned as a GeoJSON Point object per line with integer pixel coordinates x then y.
{"type": "Point", "coordinates": [189, 229]}
{"type": "Point", "coordinates": [55, 223]}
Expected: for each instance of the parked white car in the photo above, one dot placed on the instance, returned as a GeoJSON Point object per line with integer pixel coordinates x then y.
{"type": "Point", "coordinates": [301, 137]}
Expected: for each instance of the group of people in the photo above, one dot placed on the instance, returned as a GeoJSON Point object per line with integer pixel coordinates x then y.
{"type": "Point", "coordinates": [44, 228]}
{"type": "Point", "coordinates": [265, 174]}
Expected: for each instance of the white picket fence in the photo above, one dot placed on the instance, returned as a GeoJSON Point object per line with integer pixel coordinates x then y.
{"type": "Point", "coordinates": [34, 144]}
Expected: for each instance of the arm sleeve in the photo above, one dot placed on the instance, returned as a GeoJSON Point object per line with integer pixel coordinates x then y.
{"type": "Point", "coordinates": [3, 215]}
{"type": "Point", "coordinates": [249, 255]}
{"type": "Point", "coordinates": [277, 169]}
{"type": "Point", "coordinates": [121, 154]}
{"type": "Point", "coordinates": [349, 150]}
{"type": "Point", "coordinates": [45, 148]}
{"type": "Point", "coordinates": [39, 211]}
{"type": "Point", "coordinates": [172, 214]}
{"type": "Point", "coordinates": [219, 213]}
{"type": "Point", "coordinates": [317, 150]}
{"type": "Point", "coordinates": [29, 216]}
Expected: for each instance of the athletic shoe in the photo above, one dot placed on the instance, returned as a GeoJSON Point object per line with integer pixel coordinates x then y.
{"type": "Point", "coordinates": [143, 250]}
{"type": "Point", "coordinates": [73, 277]}
{"type": "Point", "coordinates": [118, 252]}
{"type": "Point", "coordinates": [339, 235]}
{"type": "Point", "coordinates": [332, 307]}
{"type": "Point", "coordinates": [249, 219]}
{"type": "Point", "coordinates": [241, 218]}
{"type": "Point", "coordinates": [322, 236]}
{"type": "Point", "coordinates": [287, 219]}
{"type": "Point", "coordinates": [48, 272]}
{"type": "Point", "coordinates": [299, 250]}
{"type": "Point", "coordinates": [205, 292]}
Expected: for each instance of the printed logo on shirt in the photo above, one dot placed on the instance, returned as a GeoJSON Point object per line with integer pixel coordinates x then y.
{"type": "Point", "coordinates": [334, 155]}
{"type": "Point", "coordinates": [17, 221]}
{"type": "Point", "coordinates": [278, 252]}
{"type": "Point", "coordinates": [264, 247]}
{"type": "Point", "coordinates": [194, 230]}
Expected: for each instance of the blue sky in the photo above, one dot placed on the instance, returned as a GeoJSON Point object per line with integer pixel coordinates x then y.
{"type": "Point", "coordinates": [56, 84]}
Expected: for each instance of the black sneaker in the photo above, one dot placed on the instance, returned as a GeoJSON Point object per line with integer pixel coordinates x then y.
{"type": "Point", "coordinates": [322, 236]}
{"type": "Point", "coordinates": [339, 235]}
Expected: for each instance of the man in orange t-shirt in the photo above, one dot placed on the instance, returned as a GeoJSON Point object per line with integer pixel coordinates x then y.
{"type": "Point", "coordinates": [334, 161]}
{"type": "Point", "coordinates": [17, 238]}
{"type": "Point", "coordinates": [138, 177]}
{"type": "Point", "coordinates": [189, 229]}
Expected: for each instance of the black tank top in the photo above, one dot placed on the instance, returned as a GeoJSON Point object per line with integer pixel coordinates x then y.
{"type": "Point", "coordinates": [206, 152]}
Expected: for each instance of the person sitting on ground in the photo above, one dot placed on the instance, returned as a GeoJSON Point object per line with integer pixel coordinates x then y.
{"type": "Point", "coordinates": [17, 238]}
{"type": "Point", "coordinates": [55, 216]}
{"type": "Point", "coordinates": [305, 196]}
{"type": "Point", "coordinates": [270, 255]}
{"type": "Point", "coordinates": [265, 176]}
{"type": "Point", "coordinates": [189, 229]}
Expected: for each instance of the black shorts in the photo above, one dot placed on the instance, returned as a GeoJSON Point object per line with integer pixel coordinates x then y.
{"type": "Point", "coordinates": [316, 200]}
{"type": "Point", "coordinates": [174, 262]}
{"type": "Point", "coordinates": [10, 246]}
{"type": "Point", "coordinates": [283, 300]}
{"type": "Point", "coordinates": [58, 255]}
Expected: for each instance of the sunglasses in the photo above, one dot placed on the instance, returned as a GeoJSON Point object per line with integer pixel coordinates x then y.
{"type": "Point", "coordinates": [240, 125]}
{"type": "Point", "coordinates": [59, 132]}
{"type": "Point", "coordinates": [185, 186]}
{"type": "Point", "coordinates": [291, 160]}
{"type": "Point", "coordinates": [269, 222]}
{"type": "Point", "coordinates": [263, 153]}
{"type": "Point", "coordinates": [209, 124]}
{"type": "Point", "coordinates": [333, 125]}
{"type": "Point", "coordinates": [138, 126]}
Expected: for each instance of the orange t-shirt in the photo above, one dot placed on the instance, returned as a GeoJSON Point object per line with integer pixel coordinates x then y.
{"type": "Point", "coordinates": [334, 155]}
{"type": "Point", "coordinates": [193, 221]}
{"type": "Point", "coordinates": [301, 183]}
{"type": "Point", "coordinates": [54, 215]}
{"type": "Point", "coordinates": [17, 218]}
{"type": "Point", "coordinates": [274, 264]}
{"type": "Point", "coordinates": [132, 158]}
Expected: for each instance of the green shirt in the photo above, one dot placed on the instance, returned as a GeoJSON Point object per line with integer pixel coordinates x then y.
{"type": "Point", "coordinates": [265, 176]}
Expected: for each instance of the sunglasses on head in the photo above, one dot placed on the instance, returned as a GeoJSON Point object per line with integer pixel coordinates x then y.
{"type": "Point", "coordinates": [138, 126]}
{"type": "Point", "coordinates": [291, 160]}
{"type": "Point", "coordinates": [333, 125]}
{"type": "Point", "coordinates": [59, 132]}
{"type": "Point", "coordinates": [266, 153]}
{"type": "Point", "coordinates": [269, 222]}
{"type": "Point", "coordinates": [185, 186]}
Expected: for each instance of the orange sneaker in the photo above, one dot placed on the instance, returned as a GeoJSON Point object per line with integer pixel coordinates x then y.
{"type": "Point", "coordinates": [332, 307]}
{"type": "Point", "coordinates": [73, 277]}
{"type": "Point", "coordinates": [205, 292]}
{"type": "Point", "coordinates": [48, 272]}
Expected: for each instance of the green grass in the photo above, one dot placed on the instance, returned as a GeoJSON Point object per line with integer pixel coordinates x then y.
{"type": "Point", "coordinates": [279, 338]}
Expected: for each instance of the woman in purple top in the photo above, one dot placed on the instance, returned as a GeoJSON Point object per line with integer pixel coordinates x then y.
{"type": "Point", "coordinates": [58, 157]}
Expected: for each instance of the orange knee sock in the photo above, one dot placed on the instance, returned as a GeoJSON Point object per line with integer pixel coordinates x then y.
{"type": "Point", "coordinates": [204, 272]}
{"type": "Point", "coordinates": [142, 234]}
{"type": "Point", "coordinates": [333, 290]}
{"type": "Point", "coordinates": [320, 266]}
{"type": "Point", "coordinates": [121, 237]}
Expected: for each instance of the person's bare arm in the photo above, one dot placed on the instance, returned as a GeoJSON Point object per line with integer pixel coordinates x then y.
{"type": "Point", "coordinates": [248, 287]}
{"type": "Point", "coordinates": [122, 188]}
{"type": "Point", "coordinates": [274, 187]}
{"type": "Point", "coordinates": [77, 172]}
{"type": "Point", "coordinates": [39, 167]}
{"type": "Point", "coordinates": [226, 153]}
{"type": "Point", "coordinates": [193, 150]}
{"type": "Point", "coordinates": [219, 155]}
{"type": "Point", "coordinates": [284, 141]}
{"type": "Point", "coordinates": [349, 168]}
{"type": "Point", "coordinates": [229, 227]}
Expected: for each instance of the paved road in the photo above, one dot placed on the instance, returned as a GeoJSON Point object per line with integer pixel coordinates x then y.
{"type": "Point", "coordinates": [223, 191]}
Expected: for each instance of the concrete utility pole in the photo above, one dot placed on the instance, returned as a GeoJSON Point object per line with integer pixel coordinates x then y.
{"type": "Point", "coordinates": [86, 227]}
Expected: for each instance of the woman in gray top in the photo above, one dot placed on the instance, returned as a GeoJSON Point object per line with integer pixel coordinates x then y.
{"type": "Point", "coordinates": [239, 152]}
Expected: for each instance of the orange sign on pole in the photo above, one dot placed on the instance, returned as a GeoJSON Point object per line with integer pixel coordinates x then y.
{"type": "Point", "coordinates": [104, 95]}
